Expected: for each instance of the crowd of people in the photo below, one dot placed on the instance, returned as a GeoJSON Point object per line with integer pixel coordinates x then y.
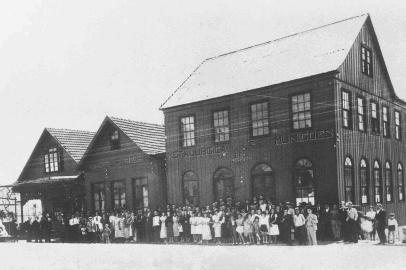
{"type": "Point", "coordinates": [257, 221]}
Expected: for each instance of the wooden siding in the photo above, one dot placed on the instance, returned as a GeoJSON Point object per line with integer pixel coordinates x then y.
{"type": "Point", "coordinates": [357, 144]}
{"type": "Point", "coordinates": [242, 153]}
{"type": "Point", "coordinates": [103, 165]}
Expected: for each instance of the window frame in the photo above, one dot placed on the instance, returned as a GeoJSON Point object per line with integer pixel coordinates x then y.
{"type": "Point", "coordinates": [367, 181]}
{"type": "Point", "coordinates": [375, 121]}
{"type": "Point", "coordinates": [401, 187]}
{"type": "Point", "coordinates": [310, 110]}
{"type": "Point", "coordinates": [379, 170]}
{"type": "Point", "coordinates": [388, 182]}
{"type": "Point", "coordinates": [53, 166]}
{"type": "Point", "coordinates": [144, 183]}
{"type": "Point", "coordinates": [349, 110]}
{"type": "Point", "coordinates": [386, 123]}
{"type": "Point", "coordinates": [104, 193]}
{"type": "Point", "coordinates": [365, 64]}
{"type": "Point", "coordinates": [214, 126]}
{"type": "Point", "coordinates": [263, 101]}
{"type": "Point", "coordinates": [398, 125]}
{"type": "Point", "coordinates": [352, 186]}
{"type": "Point", "coordinates": [114, 142]}
{"type": "Point", "coordinates": [113, 199]}
{"type": "Point", "coordinates": [184, 180]}
{"type": "Point", "coordinates": [182, 138]}
{"type": "Point", "coordinates": [362, 116]}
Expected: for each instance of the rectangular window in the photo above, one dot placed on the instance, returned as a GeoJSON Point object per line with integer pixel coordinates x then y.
{"type": "Point", "coordinates": [114, 140]}
{"type": "Point", "coordinates": [374, 117]}
{"type": "Point", "coordinates": [118, 194]}
{"type": "Point", "coordinates": [301, 111]}
{"type": "Point", "coordinates": [188, 131]}
{"type": "Point", "coordinates": [398, 128]}
{"type": "Point", "coordinates": [347, 109]}
{"type": "Point", "coordinates": [366, 61]}
{"type": "Point", "coordinates": [259, 119]}
{"type": "Point", "coordinates": [386, 121]}
{"type": "Point", "coordinates": [98, 196]}
{"type": "Point", "coordinates": [221, 126]}
{"type": "Point", "coordinates": [362, 120]}
{"type": "Point", "coordinates": [140, 193]}
{"type": "Point", "coordinates": [52, 160]}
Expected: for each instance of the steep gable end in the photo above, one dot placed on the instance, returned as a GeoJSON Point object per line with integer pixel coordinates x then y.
{"type": "Point", "coordinates": [378, 82]}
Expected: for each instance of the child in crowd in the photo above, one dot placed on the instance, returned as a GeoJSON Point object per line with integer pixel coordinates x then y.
{"type": "Point", "coordinates": [263, 227]}
{"type": "Point", "coordinates": [106, 234]}
{"type": "Point", "coordinates": [248, 229]}
{"type": "Point", "coordinates": [392, 228]}
{"type": "Point", "coordinates": [256, 230]}
{"type": "Point", "coordinates": [240, 228]}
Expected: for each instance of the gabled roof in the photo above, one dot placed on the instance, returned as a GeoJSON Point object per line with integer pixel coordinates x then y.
{"type": "Point", "coordinates": [150, 138]}
{"type": "Point", "coordinates": [75, 142]}
{"type": "Point", "coordinates": [312, 52]}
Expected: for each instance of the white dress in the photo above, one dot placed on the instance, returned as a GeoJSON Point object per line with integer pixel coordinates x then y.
{"type": "Point", "coordinates": [193, 225]}
{"type": "Point", "coordinates": [205, 228]}
{"type": "Point", "coordinates": [175, 226]}
{"type": "Point", "coordinates": [274, 228]}
{"type": "Point", "coordinates": [199, 224]}
{"type": "Point", "coordinates": [3, 232]}
{"type": "Point", "coordinates": [163, 233]}
{"type": "Point", "coordinates": [217, 225]}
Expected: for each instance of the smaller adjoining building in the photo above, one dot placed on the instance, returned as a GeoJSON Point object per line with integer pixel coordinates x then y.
{"type": "Point", "coordinates": [51, 174]}
{"type": "Point", "coordinates": [124, 166]}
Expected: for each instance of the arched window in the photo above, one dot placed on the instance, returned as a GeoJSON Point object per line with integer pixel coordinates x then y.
{"type": "Point", "coordinates": [401, 186]}
{"type": "Point", "coordinates": [364, 181]}
{"type": "Point", "coordinates": [263, 181]}
{"type": "Point", "coordinates": [377, 182]}
{"type": "Point", "coordinates": [349, 180]}
{"type": "Point", "coordinates": [223, 183]}
{"type": "Point", "coordinates": [191, 188]}
{"type": "Point", "coordinates": [304, 181]}
{"type": "Point", "coordinates": [388, 182]}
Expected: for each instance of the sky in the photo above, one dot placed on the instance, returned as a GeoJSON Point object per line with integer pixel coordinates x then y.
{"type": "Point", "coordinates": [68, 64]}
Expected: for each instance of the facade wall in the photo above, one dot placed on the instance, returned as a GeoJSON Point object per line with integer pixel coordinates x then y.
{"type": "Point", "coordinates": [128, 163]}
{"type": "Point", "coordinates": [243, 152]}
{"type": "Point", "coordinates": [368, 145]}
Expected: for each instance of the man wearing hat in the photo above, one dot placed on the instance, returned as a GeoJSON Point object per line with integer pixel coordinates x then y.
{"type": "Point", "coordinates": [381, 223]}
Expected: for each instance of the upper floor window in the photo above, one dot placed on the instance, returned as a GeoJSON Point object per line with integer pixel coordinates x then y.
{"type": "Point", "coordinates": [347, 109]}
{"type": "Point", "coordinates": [398, 128]}
{"type": "Point", "coordinates": [52, 160]}
{"type": "Point", "coordinates": [188, 131]}
{"type": "Point", "coordinates": [362, 120]}
{"type": "Point", "coordinates": [366, 61]}
{"type": "Point", "coordinates": [301, 111]}
{"type": "Point", "coordinates": [374, 117]}
{"type": "Point", "coordinates": [114, 140]}
{"type": "Point", "coordinates": [386, 122]}
{"type": "Point", "coordinates": [259, 119]}
{"type": "Point", "coordinates": [221, 126]}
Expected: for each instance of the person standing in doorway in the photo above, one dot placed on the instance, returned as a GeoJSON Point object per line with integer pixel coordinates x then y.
{"type": "Point", "coordinates": [311, 227]}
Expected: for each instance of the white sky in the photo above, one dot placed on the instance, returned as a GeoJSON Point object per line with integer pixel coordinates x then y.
{"type": "Point", "coordinates": [66, 64]}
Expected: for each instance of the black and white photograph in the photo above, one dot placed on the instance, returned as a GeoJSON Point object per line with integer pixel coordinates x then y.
{"type": "Point", "coordinates": [200, 135]}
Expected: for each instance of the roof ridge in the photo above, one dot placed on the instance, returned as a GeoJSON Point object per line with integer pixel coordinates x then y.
{"type": "Point", "coordinates": [288, 36]}
{"type": "Point", "coordinates": [135, 121]}
{"type": "Point", "coordinates": [67, 129]}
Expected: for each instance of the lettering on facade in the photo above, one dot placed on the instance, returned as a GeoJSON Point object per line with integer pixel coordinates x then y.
{"type": "Point", "coordinates": [312, 135]}
{"type": "Point", "coordinates": [200, 151]}
{"type": "Point", "coordinates": [131, 160]}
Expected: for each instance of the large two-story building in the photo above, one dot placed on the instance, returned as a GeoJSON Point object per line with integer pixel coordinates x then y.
{"type": "Point", "coordinates": [311, 117]}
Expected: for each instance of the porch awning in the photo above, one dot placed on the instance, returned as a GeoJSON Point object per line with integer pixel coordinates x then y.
{"type": "Point", "coordinates": [47, 181]}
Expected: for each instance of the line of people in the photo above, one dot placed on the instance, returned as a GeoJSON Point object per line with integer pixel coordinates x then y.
{"type": "Point", "coordinates": [256, 221]}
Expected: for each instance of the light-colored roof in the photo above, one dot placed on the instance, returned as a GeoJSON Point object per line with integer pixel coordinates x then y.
{"type": "Point", "coordinates": [150, 138]}
{"type": "Point", "coordinates": [316, 51]}
{"type": "Point", "coordinates": [47, 180]}
{"type": "Point", "coordinates": [75, 142]}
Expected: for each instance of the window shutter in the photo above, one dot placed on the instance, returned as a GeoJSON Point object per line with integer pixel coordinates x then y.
{"type": "Point", "coordinates": [61, 159]}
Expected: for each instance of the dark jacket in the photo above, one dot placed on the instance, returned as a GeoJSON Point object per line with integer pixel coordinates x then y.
{"type": "Point", "coordinates": [381, 219]}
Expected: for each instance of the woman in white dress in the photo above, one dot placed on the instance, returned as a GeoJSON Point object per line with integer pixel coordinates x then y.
{"type": "Point", "coordinates": [193, 226]}
{"type": "Point", "coordinates": [199, 225]}
{"type": "Point", "coordinates": [205, 227]}
{"type": "Point", "coordinates": [274, 227]}
{"type": "Point", "coordinates": [119, 228]}
{"type": "Point", "coordinates": [163, 233]}
{"type": "Point", "coordinates": [218, 219]}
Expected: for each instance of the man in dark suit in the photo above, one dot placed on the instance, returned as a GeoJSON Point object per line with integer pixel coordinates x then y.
{"type": "Point", "coordinates": [381, 223]}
